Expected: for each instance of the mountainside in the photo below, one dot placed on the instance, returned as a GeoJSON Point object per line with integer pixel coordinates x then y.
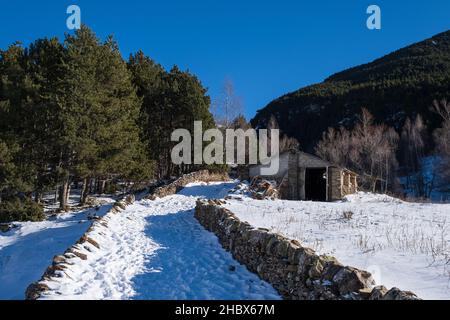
{"type": "Point", "coordinates": [399, 85]}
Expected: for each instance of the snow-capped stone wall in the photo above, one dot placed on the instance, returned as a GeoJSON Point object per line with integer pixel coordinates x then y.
{"type": "Point", "coordinates": [180, 183]}
{"type": "Point", "coordinates": [78, 252]}
{"type": "Point", "coordinates": [296, 272]}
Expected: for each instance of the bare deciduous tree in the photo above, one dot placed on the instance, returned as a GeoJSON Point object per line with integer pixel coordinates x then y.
{"type": "Point", "coordinates": [442, 108]}
{"type": "Point", "coordinates": [442, 138]}
{"type": "Point", "coordinates": [368, 149]}
{"type": "Point", "coordinates": [335, 146]}
{"type": "Point", "coordinates": [286, 143]}
{"type": "Point", "coordinates": [228, 106]}
{"type": "Point", "coordinates": [419, 182]}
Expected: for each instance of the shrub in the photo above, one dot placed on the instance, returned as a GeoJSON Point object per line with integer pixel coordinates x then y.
{"type": "Point", "coordinates": [217, 168]}
{"type": "Point", "coordinates": [112, 188]}
{"type": "Point", "coordinates": [347, 215]}
{"type": "Point", "coordinates": [16, 209]}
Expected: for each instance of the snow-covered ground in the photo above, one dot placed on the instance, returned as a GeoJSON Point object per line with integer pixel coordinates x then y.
{"type": "Point", "coordinates": [406, 245]}
{"type": "Point", "coordinates": [157, 250]}
{"type": "Point", "coordinates": [154, 250]}
{"type": "Point", "coordinates": [28, 249]}
{"type": "Point", "coordinates": [189, 262]}
{"type": "Point", "coordinates": [434, 186]}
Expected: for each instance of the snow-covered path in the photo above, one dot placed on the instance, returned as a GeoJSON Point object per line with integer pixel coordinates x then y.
{"type": "Point", "coordinates": [189, 262]}
{"type": "Point", "coordinates": [158, 250]}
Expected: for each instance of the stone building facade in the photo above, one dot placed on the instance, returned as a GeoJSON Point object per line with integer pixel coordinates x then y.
{"type": "Point", "coordinates": [303, 176]}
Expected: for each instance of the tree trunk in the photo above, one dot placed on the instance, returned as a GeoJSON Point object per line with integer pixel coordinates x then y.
{"type": "Point", "coordinates": [91, 185]}
{"type": "Point", "coordinates": [38, 197]}
{"type": "Point", "coordinates": [102, 186]}
{"type": "Point", "coordinates": [84, 192]}
{"type": "Point", "coordinates": [98, 186]}
{"type": "Point", "coordinates": [63, 192]}
{"type": "Point", "coordinates": [68, 193]}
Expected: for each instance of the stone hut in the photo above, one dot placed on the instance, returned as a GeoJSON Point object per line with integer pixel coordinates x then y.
{"type": "Point", "coordinates": [303, 176]}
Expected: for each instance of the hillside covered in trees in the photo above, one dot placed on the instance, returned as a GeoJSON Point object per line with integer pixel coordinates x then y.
{"type": "Point", "coordinates": [75, 112]}
{"type": "Point", "coordinates": [393, 88]}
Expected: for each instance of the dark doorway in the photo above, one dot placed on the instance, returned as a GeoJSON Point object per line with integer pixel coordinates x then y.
{"type": "Point", "coordinates": [316, 184]}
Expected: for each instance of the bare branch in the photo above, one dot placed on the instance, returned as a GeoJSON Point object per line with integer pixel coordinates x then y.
{"type": "Point", "coordinates": [442, 108]}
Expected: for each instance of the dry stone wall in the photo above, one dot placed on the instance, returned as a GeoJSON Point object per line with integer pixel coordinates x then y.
{"type": "Point", "coordinates": [60, 263]}
{"type": "Point", "coordinates": [296, 272]}
{"type": "Point", "coordinates": [177, 185]}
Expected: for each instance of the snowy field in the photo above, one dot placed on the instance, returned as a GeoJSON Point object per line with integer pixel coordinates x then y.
{"type": "Point", "coordinates": [152, 250]}
{"type": "Point", "coordinates": [405, 245]}
{"type": "Point", "coordinates": [157, 250]}
{"type": "Point", "coordinates": [28, 249]}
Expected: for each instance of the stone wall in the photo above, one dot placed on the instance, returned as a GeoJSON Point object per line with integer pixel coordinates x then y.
{"type": "Point", "coordinates": [177, 185]}
{"type": "Point", "coordinates": [60, 263]}
{"type": "Point", "coordinates": [296, 272]}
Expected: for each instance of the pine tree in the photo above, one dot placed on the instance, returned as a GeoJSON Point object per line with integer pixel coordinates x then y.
{"type": "Point", "coordinates": [77, 111]}
{"type": "Point", "coordinates": [46, 70]}
{"type": "Point", "coordinates": [171, 100]}
{"type": "Point", "coordinates": [102, 136]}
{"type": "Point", "coordinates": [150, 81]}
{"type": "Point", "coordinates": [14, 95]}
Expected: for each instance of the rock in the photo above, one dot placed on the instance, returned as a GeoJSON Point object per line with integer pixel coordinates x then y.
{"type": "Point", "coordinates": [397, 294]}
{"type": "Point", "coordinates": [261, 189]}
{"type": "Point", "coordinates": [350, 280]}
{"type": "Point", "coordinates": [378, 293]}
{"type": "Point", "coordinates": [85, 238]}
{"type": "Point", "coordinates": [305, 260]}
{"type": "Point", "coordinates": [332, 267]}
{"type": "Point", "coordinates": [119, 205]}
{"type": "Point", "coordinates": [80, 255]}
{"type": "Point", "coordinates": [82, 239]}
{"type": "Point", "coordinates": [293, 253]}
{"type": "Point", "coordinates": [316, 267]}
{"type": "Point", "coordinates": [35, 290]}
{"type": "Point", "coordinates": [58, 260]}
{"type": "Point", "coordinates": [292, 268]}
{"type": "Point", "coordinates": [282, 249]}
{"type": "Point", "coordinates": [271, 245]}
{"type": "Point", "coordinates": [130, 199]}
{"type": "Point", "coordinates": [93, 242]}
{"type": "Point", "coordinates": [91, 202]}
{"type": "Point", "coordinates": [51, 270]}
{"type": "Point", "coordinates": [363, 294]}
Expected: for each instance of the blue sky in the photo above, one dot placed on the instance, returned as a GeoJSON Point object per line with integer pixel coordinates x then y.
{"type": "Point", "coordinates": [267, 48]}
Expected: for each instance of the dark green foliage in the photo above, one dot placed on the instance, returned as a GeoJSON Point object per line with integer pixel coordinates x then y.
{"type": "Point", "coordinates": [217, 168]}
{"type": "Point", "coordinates": [77, 112]}
{"type": "Point", "coordinates": [102, 111]}
{"type": "Point", "coordinates": [16, 209]}
{"type": "Point", "coordinates": [171, 100]}
{"type": "Point", "coordinates": [7, 170]}
{"type": "Point", "coordinates": [400, 85]}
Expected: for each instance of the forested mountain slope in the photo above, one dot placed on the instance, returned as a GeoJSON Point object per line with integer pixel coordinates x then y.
{"type": "Point", "coordinates": [397, 86]}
